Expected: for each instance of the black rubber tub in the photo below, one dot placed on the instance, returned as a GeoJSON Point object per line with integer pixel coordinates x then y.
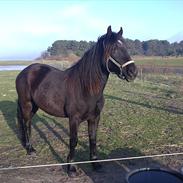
{"type": "Point", "coordinates": [152, 175]}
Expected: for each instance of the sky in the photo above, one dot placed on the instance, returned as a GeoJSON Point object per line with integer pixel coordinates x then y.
{"type": "Point", "coordinates": [28, 27]}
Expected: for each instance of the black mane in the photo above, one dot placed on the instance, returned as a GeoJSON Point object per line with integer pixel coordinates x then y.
{"type": "Point", "coordinates": [88, 70]}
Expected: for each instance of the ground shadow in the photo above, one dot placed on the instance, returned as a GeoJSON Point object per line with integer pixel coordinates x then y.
{"type": "Point", "coordinates": [117, 171]}
{"type": "Point", "coordinates": [9, 112]}
{"type": "Point", "coordinates": [171, 109]}
{"type": "Point", "coordinates": [140, 94]}
{"type": "Point", "coordinates": [44, 137]}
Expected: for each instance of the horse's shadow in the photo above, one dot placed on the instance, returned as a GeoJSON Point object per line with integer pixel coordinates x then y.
{"type": "Point", "coordinates": [170, 109]}
{"type": "Point", "coordinates": [117, 171]}
{"type": "Point", "coordinates": [111, 172]}
{"type": "Point", "coordinates": [9, 110]}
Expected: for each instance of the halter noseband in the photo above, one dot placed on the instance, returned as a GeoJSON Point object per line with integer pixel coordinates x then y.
{"type": "Point", "coordinates": [117, 64]}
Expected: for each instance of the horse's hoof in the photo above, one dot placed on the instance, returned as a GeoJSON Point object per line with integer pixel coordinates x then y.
{"type": "Point", "coordinates": [72, 171]}
{"type": "Point", "coordinates": [31, 151]}
{"type": "Point", "coordinates": [97, 166]}
{"type": "Point", "coordinates": [72, 174]}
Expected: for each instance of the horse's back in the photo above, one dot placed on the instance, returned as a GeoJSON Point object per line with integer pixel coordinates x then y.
{"type": "Point", "coordinates": [44, 86]}
{"type": "Point", "coordinates": [35, 72]}
{"type": "Point", "coordinates": [32, 76]}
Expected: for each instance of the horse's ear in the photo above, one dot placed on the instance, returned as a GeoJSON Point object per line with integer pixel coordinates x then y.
{"type": "Point", "coordinates": [120, 32]}
{"type": "Point", "coordinates": [109, 31]}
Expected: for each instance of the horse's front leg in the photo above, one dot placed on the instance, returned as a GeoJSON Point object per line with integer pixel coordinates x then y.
{"type": "Point", "coordinates": [73, 123]}
{"type": "Point", "coordinates": [92, 132]}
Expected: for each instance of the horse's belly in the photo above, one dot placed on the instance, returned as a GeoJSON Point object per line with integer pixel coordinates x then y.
{"type": "Point", "coordinates": [54, 112]}
{"type": "Point", "coordinates": [51, 106]}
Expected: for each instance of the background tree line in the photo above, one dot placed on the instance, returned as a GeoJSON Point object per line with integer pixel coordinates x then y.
{"type": "Point", "coordinates": [63, 48]}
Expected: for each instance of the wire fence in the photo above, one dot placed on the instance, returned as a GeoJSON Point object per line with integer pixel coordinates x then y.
{"type": "Point", "coordinates": [93, 161]}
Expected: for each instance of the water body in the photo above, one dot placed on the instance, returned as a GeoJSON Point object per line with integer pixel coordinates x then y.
{"type": "Point", "coordinates": [12, 67]}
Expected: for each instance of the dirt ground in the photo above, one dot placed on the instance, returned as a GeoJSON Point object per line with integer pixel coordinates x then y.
{"type": "Point", "coordinates": [112, 172]}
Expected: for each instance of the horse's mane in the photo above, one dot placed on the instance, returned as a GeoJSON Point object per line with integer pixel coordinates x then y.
{"type": "Point", "coordinates": [87, 72]}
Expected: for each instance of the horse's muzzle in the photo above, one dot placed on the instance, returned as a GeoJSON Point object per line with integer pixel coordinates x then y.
{"type": "Point", "coordinates": [129, 74]}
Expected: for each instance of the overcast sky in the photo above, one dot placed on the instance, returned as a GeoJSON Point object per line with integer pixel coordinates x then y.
{"type": "Point", "coordinates": [28, 27]}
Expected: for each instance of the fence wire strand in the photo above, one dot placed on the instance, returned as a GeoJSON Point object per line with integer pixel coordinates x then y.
{"type": "Point", "coordinates": [93, 161]}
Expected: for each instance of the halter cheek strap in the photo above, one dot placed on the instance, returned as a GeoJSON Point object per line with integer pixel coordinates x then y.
{"type": "Point", "coordinates": [117, 64]}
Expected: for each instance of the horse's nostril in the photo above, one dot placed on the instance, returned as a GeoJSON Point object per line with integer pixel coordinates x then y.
{"type": "Point", "coordinates": [132, 71]}
{"type": "Point", "coordinates": [135, 72]}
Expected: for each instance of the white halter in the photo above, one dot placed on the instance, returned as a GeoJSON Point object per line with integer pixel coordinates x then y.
{"type": "Point", "coordinates": [117, 64]}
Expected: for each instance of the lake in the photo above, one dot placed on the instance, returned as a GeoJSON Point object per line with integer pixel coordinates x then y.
{"type": "Point", "coordinates": [12, 67]}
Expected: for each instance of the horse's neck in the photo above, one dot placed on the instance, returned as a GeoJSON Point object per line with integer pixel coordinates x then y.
{"type": "Point", "coordinates": [104, 81]}
{"type": "Point", "coordinates": [90, 73]}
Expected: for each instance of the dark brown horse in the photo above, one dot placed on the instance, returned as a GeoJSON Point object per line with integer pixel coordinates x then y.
{"type": "Point", "coordinates": [76, 93]}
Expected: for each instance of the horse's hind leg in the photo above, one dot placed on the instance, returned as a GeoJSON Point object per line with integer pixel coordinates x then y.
{"type": "Point", "coordinates": [26, 110]}
{"type": "Point", "coordinates": [21, 125]}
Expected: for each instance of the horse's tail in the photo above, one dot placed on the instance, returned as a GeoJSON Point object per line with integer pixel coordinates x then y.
{"type": "Point", "coordinates": [21, 125]}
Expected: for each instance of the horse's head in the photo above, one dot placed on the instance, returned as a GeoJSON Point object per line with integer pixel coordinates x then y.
{"type": "Point", "coordinates": [116, 57]}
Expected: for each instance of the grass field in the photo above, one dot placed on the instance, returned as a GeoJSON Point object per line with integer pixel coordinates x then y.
{"type": "Point", "coordinates": [159, 61]}
{"type": "Point", "coordinates": [139, 118]}
{"type": "Point", "coordinates": [148, 61]}
{"type": "Point", "coordinates": [143, 117]}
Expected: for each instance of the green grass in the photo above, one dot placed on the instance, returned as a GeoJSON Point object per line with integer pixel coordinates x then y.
{"type": "Point", "coordinates": [142, 117]}
{"type": "Point", "coordinates": [158, 61]}
{"type": "Point", "coordinates": [151, 61]}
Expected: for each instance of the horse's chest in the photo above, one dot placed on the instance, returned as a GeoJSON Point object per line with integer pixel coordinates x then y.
{"type": "Point", "coordinates": [91, 111]}
{"type": "Point", "coordinates": [84, 109]}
